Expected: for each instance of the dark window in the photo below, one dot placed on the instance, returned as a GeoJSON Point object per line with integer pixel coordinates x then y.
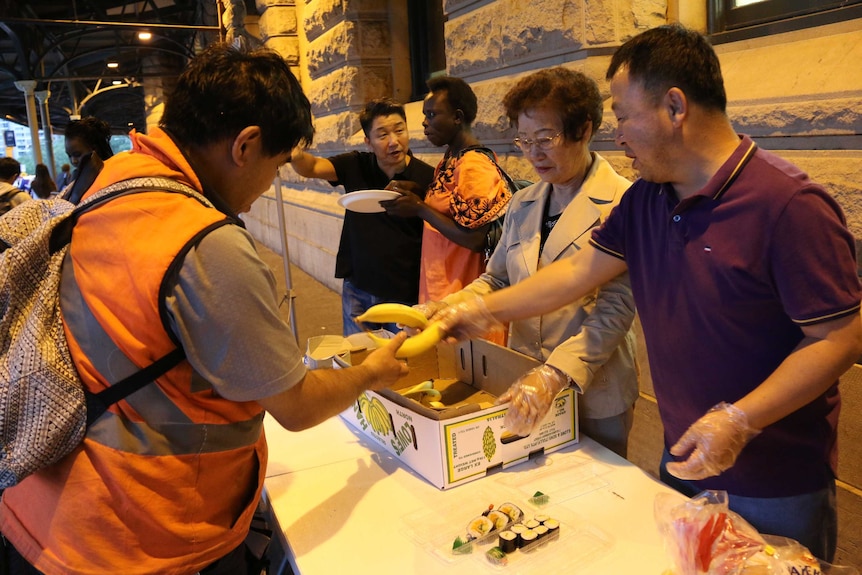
{"type": "Point", "coordinates": [739, 19]}
{"type": "Point", "coordinates": [427, 43]}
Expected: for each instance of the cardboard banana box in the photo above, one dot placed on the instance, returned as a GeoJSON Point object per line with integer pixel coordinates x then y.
{"type": "Point", "coordinates": [451, 432]}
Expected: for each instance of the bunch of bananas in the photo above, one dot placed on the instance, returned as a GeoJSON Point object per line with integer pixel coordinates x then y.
{"type": "Point", "coordinates": [408, 317]}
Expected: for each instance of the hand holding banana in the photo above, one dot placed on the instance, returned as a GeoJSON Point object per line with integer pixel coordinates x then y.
{"type": "Point", "coordinates": [401, 314]}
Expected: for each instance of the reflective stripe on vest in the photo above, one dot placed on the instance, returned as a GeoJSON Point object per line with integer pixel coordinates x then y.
{"type": "Point", "coordinates": [165, 429]}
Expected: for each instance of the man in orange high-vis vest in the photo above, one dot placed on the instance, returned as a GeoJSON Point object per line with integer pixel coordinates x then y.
{"type": "Point", "coordinates": [166, 482]}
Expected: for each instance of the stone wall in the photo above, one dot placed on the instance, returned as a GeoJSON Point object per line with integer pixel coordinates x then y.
{"type": "Point", "coordinates": [798, 94]}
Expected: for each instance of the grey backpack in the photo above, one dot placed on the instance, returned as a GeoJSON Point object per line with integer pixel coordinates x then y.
{"type": "Point", "coordinates": [44, 408]}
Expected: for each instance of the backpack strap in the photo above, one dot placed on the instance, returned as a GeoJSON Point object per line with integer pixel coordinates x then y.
{"type": "Point", "coordinates": [62, 233]}
{"type": "Point", "coordinates": [491, 156]}
{"type": "Point", "coordinates": [98, 403]}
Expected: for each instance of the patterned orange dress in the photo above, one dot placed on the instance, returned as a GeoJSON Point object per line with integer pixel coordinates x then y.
{"type": "Point", "coordinates": [468, 189]}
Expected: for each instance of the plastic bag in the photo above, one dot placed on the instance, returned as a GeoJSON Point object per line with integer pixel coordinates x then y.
{"type": "Point", "coordinates": [703, 536]}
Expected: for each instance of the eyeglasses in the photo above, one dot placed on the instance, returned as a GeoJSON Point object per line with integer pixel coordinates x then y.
{"type": "Point", "coordinates": [544, 143]}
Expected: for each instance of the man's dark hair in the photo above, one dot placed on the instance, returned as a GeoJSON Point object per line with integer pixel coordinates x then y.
{"type": "Point", "coordinates": [224, 90]}
{"type": "Point", "coordinates": [9, 168]}
{"type": "Point", "coordinates": [673, 56]}
{"type": "Point", "coordinates": [379, 107]}
{"type": "Point", "coordinates": [572, 95]}
{"type": "Point", "coordinates": [459, 94]}
{"type": "Point", "coordinates": [94, 132]}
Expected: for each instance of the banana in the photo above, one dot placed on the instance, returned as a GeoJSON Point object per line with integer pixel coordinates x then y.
{"type": "Point", "coordinates": [394, 313]}
{"type": "Point", "coordinates": [421, 392]}
{"type": "Point", "coordinates": [416, 344]}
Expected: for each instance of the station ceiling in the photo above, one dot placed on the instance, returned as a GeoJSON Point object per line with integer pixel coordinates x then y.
{"type": "Point", "coordinates": [66, 45]}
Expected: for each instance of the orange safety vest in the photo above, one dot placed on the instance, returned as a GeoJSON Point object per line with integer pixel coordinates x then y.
{"type": "Point", "coordinates": [167, 481]}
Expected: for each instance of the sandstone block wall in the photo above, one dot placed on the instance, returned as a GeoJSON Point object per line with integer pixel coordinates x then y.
{"type": "Point", "coordinates": [798, 94]}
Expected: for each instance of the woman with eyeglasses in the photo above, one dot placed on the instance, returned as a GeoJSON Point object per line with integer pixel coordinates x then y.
{"type": "Point", "coordinates": [588, 345]}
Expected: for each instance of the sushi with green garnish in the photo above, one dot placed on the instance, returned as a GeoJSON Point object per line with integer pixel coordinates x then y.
{"type": "Point", "coordinates": [496, 556]}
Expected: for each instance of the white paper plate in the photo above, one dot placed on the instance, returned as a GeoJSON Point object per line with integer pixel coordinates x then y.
{"type": "Point", "coordinates": [366, 201]}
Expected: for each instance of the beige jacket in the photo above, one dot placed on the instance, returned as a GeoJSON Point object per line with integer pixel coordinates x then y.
{"type": "Point", "coordinates": [591, 340]}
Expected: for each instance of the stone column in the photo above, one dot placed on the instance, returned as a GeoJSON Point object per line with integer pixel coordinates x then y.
{"type": "Point", "coordinates": [278, 29]}
{"type": "Point", "coordinates": [43, 96]}
{"type": "Point", "coordinates": [28, 87]}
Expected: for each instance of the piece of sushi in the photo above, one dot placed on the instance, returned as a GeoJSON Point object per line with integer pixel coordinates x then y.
{"type": "Point", "coordinates": [528, 540]}
{"type": "Point", "coordinates": [513, 511]}
{"type": "Point", "coordinates": [541, 532]}
{"type": "Point", "coordinates": [553, 528]}
{"type": "Point", "coordinates": [479, 527]}
{"type": "Point", "coordinates": [496, 556]}
{"type": "Point", "coordinates": [541, 518]}
{"type": "Point", "coordinates": [499, 518]}
{"type": "Point", "coordinates": [531, 523]}
{"type": "Point", "coordinates": [508, 541]}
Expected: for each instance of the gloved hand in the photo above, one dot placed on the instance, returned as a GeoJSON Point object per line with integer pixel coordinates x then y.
{"type": "Point", "coordinates": [466, 319]}
{"type": "Point", "coordinates": [428, 309]}
{"type": "Point", "coordinates": [531, 396]}
{"type": "Point", "coordinates": [715, 441]}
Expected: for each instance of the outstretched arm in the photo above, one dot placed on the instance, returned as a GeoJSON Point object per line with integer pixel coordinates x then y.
{"type": "Point", "coordinates": [411, 205]}
{"type": "Point", "coordinates": [323, 393]}
{"type": "Point", "coordinates": [551, 288]}
{"type": "Point", "coordinates": [310, 166]}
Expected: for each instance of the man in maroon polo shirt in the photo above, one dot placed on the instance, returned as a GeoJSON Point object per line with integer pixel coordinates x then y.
{"type": "Point", "coordinates": [744, 276]}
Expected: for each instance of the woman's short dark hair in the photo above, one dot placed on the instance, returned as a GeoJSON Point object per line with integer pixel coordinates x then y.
{"type": "Point", "coordinates": [95, 133]}
{"type": "Point", "coordinates": [224, 90]}
{"type": "Point", "coordinates": [574, 96]}
{"type": "Point", "coordinates": [379, 107]}
{"type": "Point", "coordinates": [673, 56]}
{"type": "Point", "coordinates": [459, 94]}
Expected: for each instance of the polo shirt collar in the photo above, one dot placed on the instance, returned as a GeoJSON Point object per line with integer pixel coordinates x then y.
{"type": "Point", "coordinates": [720, 182]}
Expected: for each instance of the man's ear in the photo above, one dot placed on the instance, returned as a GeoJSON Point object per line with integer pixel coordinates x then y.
{"type": "Point", "coordinates": [247, 144]}
{"type": "Point", "coordinates": [676, 105]}
{"type": "Point", "coordinates": [459, 115]}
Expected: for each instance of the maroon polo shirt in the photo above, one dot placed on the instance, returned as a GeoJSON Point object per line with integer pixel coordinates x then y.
{"type": "Point", "coordinates": [722, 282]}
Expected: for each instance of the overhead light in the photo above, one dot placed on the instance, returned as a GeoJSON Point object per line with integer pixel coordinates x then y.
{"type": "Point", "coordinates": [145, 35]}
{"type": "Point", "coordinates": [113, 64]}
{"type": "Point", "coordinates": [117, 82]}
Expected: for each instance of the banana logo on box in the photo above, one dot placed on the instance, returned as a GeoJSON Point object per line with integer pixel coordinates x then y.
{"type": "Point", "coordinates": [375, 414]}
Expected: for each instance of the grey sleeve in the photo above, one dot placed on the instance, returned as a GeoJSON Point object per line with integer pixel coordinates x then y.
{"type": "Point", "coordinates": [224, 310]}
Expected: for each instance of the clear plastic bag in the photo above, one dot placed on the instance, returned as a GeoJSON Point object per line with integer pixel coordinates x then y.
{"type": "Point", "coordinates": [702, 536]}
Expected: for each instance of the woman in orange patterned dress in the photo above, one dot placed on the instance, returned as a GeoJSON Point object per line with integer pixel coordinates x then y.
{"type": "Point", "coordinates": [467, 194]}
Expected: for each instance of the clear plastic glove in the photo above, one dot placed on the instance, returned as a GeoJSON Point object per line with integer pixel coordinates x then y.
{"type": "Point", "coordinates": [531, 397]}
{"type": "Point", "coordinates": [715, 441]}
{"type": "Point", "coordinates": [429, 310]}
{"type": "Point", "coordinates": [467, 319]}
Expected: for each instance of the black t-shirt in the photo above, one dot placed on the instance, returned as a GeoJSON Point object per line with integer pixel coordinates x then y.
{"type": "Point", "coordinates": [380, 254]}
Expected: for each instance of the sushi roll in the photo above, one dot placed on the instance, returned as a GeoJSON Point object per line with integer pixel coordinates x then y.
{"type": "Point", "coordinates": [496, 556]}
{"type": "Point", "coordinates": [479, 527]}
{"type": "Point", "coordinates": [553, 528]}
{"type": "Point", "coordinates": [541, 518]}
{"type": "Point", "coordinates": [541, 533]}
{"type": "Point", "coordinates": [508, 541]}
{"type": "Point", "coordinates": [531, 523]}
{"type": "Point", "coordinates": [513, 511]}
{"type": "Point", "coordinates": [528, 540]}
{"type": "Point", "coordinates": [499, 519]}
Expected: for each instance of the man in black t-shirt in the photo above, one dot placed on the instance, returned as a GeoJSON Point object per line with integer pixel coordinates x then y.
{"type": "Point", "coordinates": [378, 255]}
